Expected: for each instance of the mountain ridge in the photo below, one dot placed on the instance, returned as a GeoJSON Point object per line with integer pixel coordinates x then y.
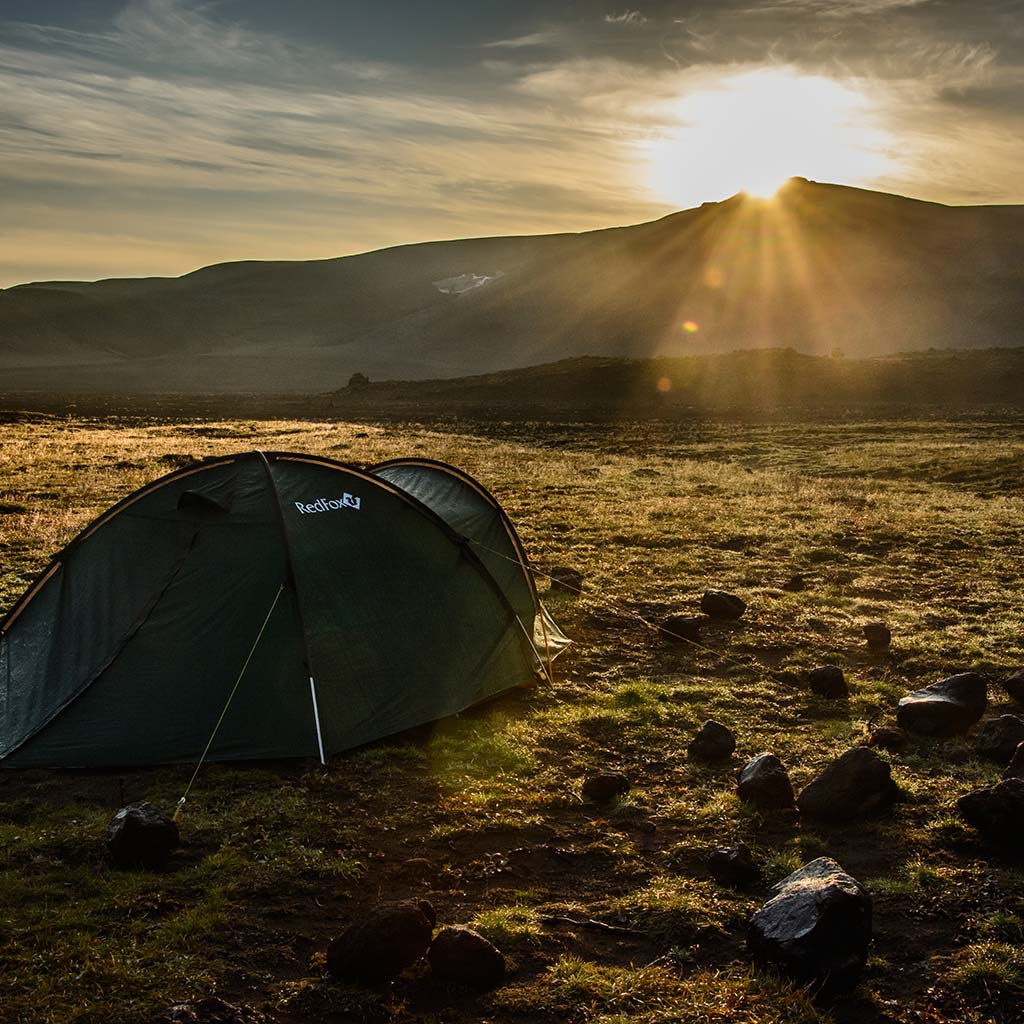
{"type": "Point", "coordinates": [820, 268]}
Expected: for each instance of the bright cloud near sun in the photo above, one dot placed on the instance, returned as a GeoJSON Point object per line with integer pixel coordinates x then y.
{"type": "Point", "coordinates": [751, 130]}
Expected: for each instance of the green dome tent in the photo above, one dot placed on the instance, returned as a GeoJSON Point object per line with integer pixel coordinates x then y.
{"type": "Point", "coordinates": [285, 605]}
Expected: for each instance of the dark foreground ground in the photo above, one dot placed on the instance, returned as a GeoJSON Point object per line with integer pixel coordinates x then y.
{"type": "Point", "coordinates": [918, 522]}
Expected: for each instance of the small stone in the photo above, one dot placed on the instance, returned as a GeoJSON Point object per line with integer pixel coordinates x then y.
{"type": "Point", "coordinates": [857, 783]}
{"type": "Point", "coordinates": [683, 628]}
{"type": "Point", "coordinates": [461, 956]}
{"type": "Point", "coordinates": [1015, 769]}
{"type": "Point", "coordinates": [795, 584]}
{"type": "Point", "coordinates": [828, 681]}
{"type": "Point", "coordinates": [139, 836]}
{"type": "Point", "coordinates": [1013, 684]}
{"type": "Point", "coordinates": [999, 738]}
{"type": "Point", "coordinates": [211, 1010]}
{"type": "Point", "coordinates": [566, 580]}
{"type": "Point", "coordinates": [605, 786]}
{"type": "Point", "coordinates": [382, 943]}
{"type": "Point", "coordinates": [888, 737]}
{"type": "Point", "coordinates": [734, 866]}
{"type": "Point", "coordinates": [719, 605]}
{"type": "Point", "coordinates": [945, 708]}
{"type": "Point", "coordinates": [765, 783]}
{"type": "Point", "coordinates": [878, 636]}
{"type": "Point", "coordinates": [997, 812]}
{"type": "Point", "coordinates": [816, 929]}
{"type": "Point", "coordinates": [714, 742]}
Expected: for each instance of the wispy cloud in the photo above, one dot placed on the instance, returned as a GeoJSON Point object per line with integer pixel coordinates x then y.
{"type": "Point", "coordinates": [626, 18]}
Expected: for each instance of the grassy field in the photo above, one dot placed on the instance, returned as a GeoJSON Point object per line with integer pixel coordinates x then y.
{"type": "Point", "coordinates": [917, 523]}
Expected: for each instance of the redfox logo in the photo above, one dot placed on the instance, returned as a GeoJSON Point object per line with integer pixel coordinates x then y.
{"type": "Point", "coordinates": [329, 504]}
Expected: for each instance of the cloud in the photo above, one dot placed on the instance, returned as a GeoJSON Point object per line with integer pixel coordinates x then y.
{"type": "Point", "coordinates": [626, 18]}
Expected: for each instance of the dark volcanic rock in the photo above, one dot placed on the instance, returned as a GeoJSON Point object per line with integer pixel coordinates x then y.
{"type": "Point", "coordinates": [888, 737]}
{"type": "Point", "coordinates": [857, 783]}
{"type": "Point", "coordinates": [714, 742]}
{"type": "Point", "coordinates": [605, 786]}
{"type": "Point", "coordinates": [946, 708]}
{"type": "Point", "coordinates": [997, 812]}
{"type": "Point", "coordinates": [1015, 769]}
{"type": "Point", "coordinates": [140, 836]}
{"type": "Point", "coordinates": [795, 584]}
{"type": "Point", "coordinates": [461, 956]}
{"type": "Point", "coordinates": [1013, 684]}
{"type": "Point", "coordinates": [816, 929]}
{"type": "Point", "coordinates": [734, 866]}
{"type": "Point", "coordinates": [566, 579]}
{"type": "Point", "coordinates": [719, 605]}
{"type": "Point", "coordinates": [999, 738]}
{"type": "Point", "coordinates": [828, 681]}
{"type": "Point", "coordinates": [382, 943]}
{"type": "Point", "coordinates": [765, 783]}
{"type": "Point", "coordinates": [878, 636]}
{"type": "Point", "coordinates": [681, 628]}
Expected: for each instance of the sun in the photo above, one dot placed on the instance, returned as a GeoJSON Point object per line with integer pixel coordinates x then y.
{"type": "Point", "coordinates": [751, 131]}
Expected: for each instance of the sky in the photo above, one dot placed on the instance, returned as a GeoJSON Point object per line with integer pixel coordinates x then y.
{"type": "Point", "coordinates": [152, 137]}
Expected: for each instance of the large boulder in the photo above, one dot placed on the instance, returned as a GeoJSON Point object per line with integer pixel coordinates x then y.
{"type": "Point", "coordinates": [945, 708]}
{"type": "Point", "coordinates": [139, 836]}
{"type": "Point", "coordinates": [714, 742]}
{"type": "Point", "coordinates": [461, 956]}
{"type": "Point", "coordinates": [997, 812]}
{"type": "Point", "coordinates": [605, 786]}
{"type": "Point", "coordinates": [1013, 684]}
{"type": "Point", "coordinates": [720, 605]}
{"type": "Point", "coordinates": [764, 782]}
{"type": "Point", "coordinates": [382, 943]}
{"type": "Point", "coordinates": [816, 929]}
{"type": "Point", "coordinates": [1015, 769]}
{"type": "Point", "coordinates": [734, 866]}
{"type": "Point", "coordinates": [828, 681]}
{"type": "Point", "coordinates": [857, 783]}
{"type": "Point", "coordinates": [1000, 737]}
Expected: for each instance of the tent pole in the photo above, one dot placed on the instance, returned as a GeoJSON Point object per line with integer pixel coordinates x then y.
{"type": "Point", "coordinates": [290, 562]}
{"type": "Point", "coordinates": [316, 719]}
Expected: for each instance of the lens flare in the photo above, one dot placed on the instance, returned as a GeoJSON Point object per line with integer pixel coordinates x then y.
{"type": "Point", "coordinates": [691, 326]}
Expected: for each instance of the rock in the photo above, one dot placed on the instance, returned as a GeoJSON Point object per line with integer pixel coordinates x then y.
{"type": "Point", "coordinates": [605, 786]}
{"type": "Point", "coordinates": [888, 737]}
{"type": "Point", "coordinates": [765, 783]}
{"type": "Point", "coordinates": [816, 929]}
{"type": "Point", "coordinates": [997, 812]}
{"type": "Point", "coordinates": [999, 738]}
{"type": "Point", "coordinates": [878, 636]}
{"type": "Point", "coordinates": [382, 943]}
{"type": "Point", "coordinates": [828, 681]}
{"type": "Point", "coordinates": [719, 605]}
{"type": "Point", "coordinates": [1013, 684]}
{"type": "Point", "coordinates": [714, 742]}
{"type": "Point", "coordinates": [946, 708]}
{"type": "Point", "coordinates": [795, 584]}
{"type": "Point", "coordinates": [858, 782]}
{"type": "Point", "coordinates": [734, 866]}
{"type": "Point", "coordinates": [461, 956]}
{"type": "Point", "coordinates": [139, 836]}
{"type": "Point", "coordinates": [681, 628]}
{"type": "Point", "coordinates": [566, 580]}
{"type": "Point", "coordinates": [1015, 769]}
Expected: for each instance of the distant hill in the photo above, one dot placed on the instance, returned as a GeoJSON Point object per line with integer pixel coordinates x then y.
{"type": "Point", "coordinates": [820, 268]}
{"type": "Point", "coordinates": [767, 381]}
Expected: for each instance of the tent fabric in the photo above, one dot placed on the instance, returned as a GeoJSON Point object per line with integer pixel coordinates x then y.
{"type": "Point", "coordinates": [126, 649]}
